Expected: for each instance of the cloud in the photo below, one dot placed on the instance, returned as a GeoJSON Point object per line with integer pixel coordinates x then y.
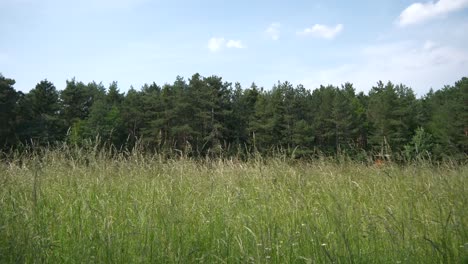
{"type": "Point", "coordinates": [273, 31]}
{"type": "Point", "coordinates": [236, 44]}
{"type": "Point", "coordinates": [322, 31]}
{"type": "Point", "coordinates": [421, 12]}
{"type": "Point", "coordinates": [216, 44]}
{"type": "Point", "coordinates": [416, 64]}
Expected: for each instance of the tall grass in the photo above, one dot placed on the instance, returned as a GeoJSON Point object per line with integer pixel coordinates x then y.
{"type": "Point", "coordinates": [74, 206]}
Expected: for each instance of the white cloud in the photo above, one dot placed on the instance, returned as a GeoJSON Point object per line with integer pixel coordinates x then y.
{"type": "Point", "coordinates": [417, 65]}
{"type": "Point", "coordinates": [216, 44]}
{"type": "Point", "coordinates": [236, 44]}
{"type": "Point", "coordinates": [274, 31]}
{"type": "Point", "coordinates": [322, 31]}
{"type": "Point", "coordinates": [421, 12]}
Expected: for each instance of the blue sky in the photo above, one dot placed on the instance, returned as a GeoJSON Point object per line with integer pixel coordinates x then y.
{"type": "Point", "coordinates": [421, 44]}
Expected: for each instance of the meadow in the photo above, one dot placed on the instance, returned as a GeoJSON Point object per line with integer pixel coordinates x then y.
{"type": "Point", "coordinates": [71, 207]}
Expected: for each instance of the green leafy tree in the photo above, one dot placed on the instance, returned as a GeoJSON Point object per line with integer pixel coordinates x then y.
{"type": "Point", "coordinates": [392, 114]}
{"type": "Point", "coordinates": [362, 123]}
{"type": "Point", "coordinates": [243, 115]}
{"type": "Point", "coordinates": [208, 116]}
{"type": "Point", "coordinates": [420, 146]}
{"type": "Point", "coordinates": [460, 112]}
{"type": "Point", "coordinates": [447, 120]}
{"type": "Point", "coordinates": [153, 118]}
{"type": "Point", "coordinates": [344, 117]}
{"type": "Point", "coordinates": [180, 115]}
{"type": "Point", "coordinates": [105, 122]}
{"type": "Point", "coordinates": [132, 115]}
{"type": "Point", "coordinates": [323, 125]}
{"type": "Point", "coordinates": [45, 125]}
{"type": "Point", "coordinates": [260, 127]}
{"type": "Point", "coordinates": [77, 99]}
{"type": "Point", "coordinates": [113, 96]}
{"type": "Point", "coordinates": [302, 135]}
{"type": "Point", "coordinates": [8, 100]}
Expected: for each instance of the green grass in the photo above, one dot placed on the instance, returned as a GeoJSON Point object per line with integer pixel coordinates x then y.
{"type": "Point", "coordinates": [58, 209]}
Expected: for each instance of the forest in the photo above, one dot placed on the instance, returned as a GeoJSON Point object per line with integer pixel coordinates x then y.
{"type": "Point", "coordinates": [203, 171]}
{"type": "Point", "coordinates": [208, 116]}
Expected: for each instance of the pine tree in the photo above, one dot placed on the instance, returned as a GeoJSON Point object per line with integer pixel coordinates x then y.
{"type": "Point", "coordinates": [244, 111]}
{"type": "Point", "coordinates": [45, 125]}
{"type": "Point", "coordinates": [132, 115]}
{"type": "Point", "coordinates": [344, 117]}
{"type": "Point", "coordinates": [153, 120]}
{"type": "Point", "coordinates": [322, 100]}
{"type": "Point", "coordinates": [77, 99]}
{"type": "Point", "coordinates": [8, 100]}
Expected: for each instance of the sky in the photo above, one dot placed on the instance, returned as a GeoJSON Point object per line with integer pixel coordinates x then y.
{"type": "Point", "coordinates": [421, 44]}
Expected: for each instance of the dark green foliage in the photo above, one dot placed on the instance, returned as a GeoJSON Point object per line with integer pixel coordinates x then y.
{"type": "Point", "coordinates": [392, 115]}
{"type": "Point", "coordinates": [208, 116]}
{"type": "Point", "coordinates": [345, 117]}
{"type": "Point", "coordinates": [8, 99]}
{"type": "Point", "coordinates": [77, 99]}
{"type": "Point", "coordinates": [104, 120]}
{"type": "Point", "coordinates": [420, 146]}
{"type": "Point", "coordinates": [448, 119]}
{"type": "Point", "coordinates": [322, 100]}
{"type": "Point", "coordinates": [132, 116]}
{"type": "Point", "coordinates": [43, 120]}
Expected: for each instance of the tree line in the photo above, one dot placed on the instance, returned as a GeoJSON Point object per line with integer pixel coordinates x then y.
{"type": "Point", "coordinates": [208, 116]}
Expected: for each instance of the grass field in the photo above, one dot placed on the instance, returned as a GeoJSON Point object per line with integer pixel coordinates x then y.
{"type": "Point", "coordinates": [145, 209]}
